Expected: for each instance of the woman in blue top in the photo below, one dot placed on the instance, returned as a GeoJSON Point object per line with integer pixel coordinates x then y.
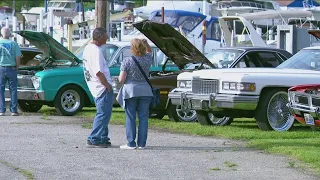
{"type": "Point", "coordinates": [136, 94]}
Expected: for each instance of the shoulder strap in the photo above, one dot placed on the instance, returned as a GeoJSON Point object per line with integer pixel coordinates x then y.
{"type": "Point", "coordinates": [141, 70]}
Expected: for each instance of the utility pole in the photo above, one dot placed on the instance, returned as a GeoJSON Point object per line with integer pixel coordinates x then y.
{"type": "Point", "coordinates": [101, 9]}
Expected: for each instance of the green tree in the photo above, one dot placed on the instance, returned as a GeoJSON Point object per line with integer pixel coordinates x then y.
{"type": "Point", "coordinates": [22, 4]}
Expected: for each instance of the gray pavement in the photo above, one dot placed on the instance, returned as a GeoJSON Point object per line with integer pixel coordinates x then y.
{"type": "Point", "coordinates": [54, 148]}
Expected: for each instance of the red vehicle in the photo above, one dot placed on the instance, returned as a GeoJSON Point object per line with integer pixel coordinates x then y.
{"type": "Point", "coordinates": [304, 101]}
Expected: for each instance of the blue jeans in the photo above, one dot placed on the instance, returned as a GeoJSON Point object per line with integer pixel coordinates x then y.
{"type": "Point", "coordinates": [8, 74]}
{"type": "Point", "coordinates": [99, 134]}
{"type": "Point", "coordinates": [140, 105]}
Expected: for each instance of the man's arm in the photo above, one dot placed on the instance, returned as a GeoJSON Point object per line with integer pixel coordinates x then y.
{"type": "Point", "coordinates": [18, 58]}
{"type": "Point", "coordinates": [18, 55]}
{"type": "Point", "coordinates": [103, 80]}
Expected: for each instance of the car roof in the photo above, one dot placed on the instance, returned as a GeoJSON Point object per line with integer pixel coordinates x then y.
{"type": "Point", "coordinates": [247, 48]}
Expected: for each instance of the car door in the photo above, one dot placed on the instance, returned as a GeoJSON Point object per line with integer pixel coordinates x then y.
{"type": "Point", "coordinates": [259, 59]}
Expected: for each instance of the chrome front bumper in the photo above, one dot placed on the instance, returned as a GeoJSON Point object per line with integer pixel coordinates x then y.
{"type": "Point", "coordinates": [307, 107]}
{"type": "Point", "coordinates": [213, 101]}
{"type": "Point", "coordinates": [28, 94]}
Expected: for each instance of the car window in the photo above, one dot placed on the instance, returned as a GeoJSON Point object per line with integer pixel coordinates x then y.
{"type": "Point", "coordinates": [222, 58]}
{"type": "Point", "coordinates": [269, 59]}
{"type": "Point", "coordinates": [247, 61]}
{"type": "Point", "coordinates": [125, 52]}
{"type": "Point", "coordinates": [259, 59]}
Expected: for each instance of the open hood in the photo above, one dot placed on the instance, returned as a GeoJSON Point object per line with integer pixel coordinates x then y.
{"type": "Point", "coordinates": [172, 43]}
{"type": "Point", "coordinates": [49, 46]}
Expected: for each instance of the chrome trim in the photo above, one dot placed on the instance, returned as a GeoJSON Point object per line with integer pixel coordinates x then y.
{"type": "Point", "coordinates": [297, 107]}
{"type": "Point", "coordinates": [29, 94]}
{"type": "Point", "coordinates": [241, 102]}
{"type": "Point", "coordinates": [213, 101]}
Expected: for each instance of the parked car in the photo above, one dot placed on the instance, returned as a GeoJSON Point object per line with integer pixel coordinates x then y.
{"type": "Point", "coordinates": [218, 95]}
{"type": "Point", "coordinates": [117, 51]}
{"type": "Point", "coordinates": [188, 58]}
{"type": "Point", "coordinates": [304, 101]}
{"type": "Point", "coordinates": [53, 76]}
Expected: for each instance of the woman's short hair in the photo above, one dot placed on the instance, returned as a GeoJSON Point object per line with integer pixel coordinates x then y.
{"type": "Point", "coordinates": [138, 48]}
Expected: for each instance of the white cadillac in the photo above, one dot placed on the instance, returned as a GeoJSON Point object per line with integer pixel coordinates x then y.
{"type": "Point", "coordinates": [219, 95]}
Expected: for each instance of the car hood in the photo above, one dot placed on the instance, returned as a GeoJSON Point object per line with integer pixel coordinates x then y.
{"type": "Point", "coordinates": [49, 46]}
{"type": "Point", "coordinates": [172, 43]}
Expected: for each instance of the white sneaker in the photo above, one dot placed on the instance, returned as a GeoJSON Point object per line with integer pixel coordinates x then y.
{"type": "Point", "coordinates": [127, 147]}
{"type": "Point", "coordinates": [141, 147]}
{"type": "Point", "coordinates": [2, 114]}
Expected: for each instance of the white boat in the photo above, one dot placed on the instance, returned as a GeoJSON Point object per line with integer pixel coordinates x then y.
{"type": "Point", "coordinates": [5, 13]}
{"type": "Point", "coordinates": [190, 24]}
{"type": "Point", "coordinates": [192, 6]}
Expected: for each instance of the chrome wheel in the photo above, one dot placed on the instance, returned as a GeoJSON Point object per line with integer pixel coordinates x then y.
{"type": "Point", "coordinates": [186, 115]}
{"type": "Point", "coordinates": [219, 120]}
{"type": "Point", "coordinates": [278, 114]}
{"type": "Point", "coordinates": [70, 100]}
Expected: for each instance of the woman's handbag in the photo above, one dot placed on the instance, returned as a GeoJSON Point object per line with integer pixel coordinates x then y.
{"type": "Point", "coordinates": [156, 91]}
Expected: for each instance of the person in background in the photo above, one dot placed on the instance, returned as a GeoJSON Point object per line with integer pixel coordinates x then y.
{"type": "Point", "coordinates": [10, 56]}
{"type": "Point", "coordinates": [97, 76]}
{"type": "Point", "coordinates": [136, 94]}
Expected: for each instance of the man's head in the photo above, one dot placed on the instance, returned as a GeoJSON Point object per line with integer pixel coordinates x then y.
{"type": "Point", "coordinates": [99, 36]}
{"type": "Point", "coordinates": [5, 33]}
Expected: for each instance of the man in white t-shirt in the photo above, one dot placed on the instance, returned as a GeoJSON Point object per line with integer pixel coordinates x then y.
{"type": "Point", "coordinates": [97, 76]}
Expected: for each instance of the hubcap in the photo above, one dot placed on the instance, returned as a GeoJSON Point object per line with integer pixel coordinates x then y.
{"type": "Point", "coordinates": [186, 115]}
{"type": "Point", "coordinates": [70, 100]}
{"type": "Point", "coordinates": [279, 115]}
{"type": "Point", "coordinates": [216, 120]}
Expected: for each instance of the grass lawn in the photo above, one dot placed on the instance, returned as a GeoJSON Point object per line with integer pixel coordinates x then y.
{"type": "Point", "coordinates": [301, 143]}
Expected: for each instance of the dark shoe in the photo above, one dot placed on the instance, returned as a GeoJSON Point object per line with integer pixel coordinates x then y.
{"type": "Point", "coordinates": [14, 114]}
{"type": "Point", "coordinates": [104, 145]}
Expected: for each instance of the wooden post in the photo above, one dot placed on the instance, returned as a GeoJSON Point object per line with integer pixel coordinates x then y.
{"type": "Point", "coordinates": [162, 14]}
{"type": "Point", "coordinates": [70, 30]}
{"type": "Point", "coordinates": [101, 13]}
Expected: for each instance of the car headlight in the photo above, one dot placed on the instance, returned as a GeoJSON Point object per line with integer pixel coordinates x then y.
{"type": "Point", "coordinates": [36, 82]}
{"type": "Point", "coordinates": [238, 86]}
{"type": "Point", "coordinates": [184, 84]}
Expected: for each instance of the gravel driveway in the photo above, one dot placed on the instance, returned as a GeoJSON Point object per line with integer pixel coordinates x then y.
{"type": "Point", "coordinates": [54, 148]}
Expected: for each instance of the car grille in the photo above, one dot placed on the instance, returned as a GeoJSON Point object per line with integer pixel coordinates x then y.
{"type": "Point", "coordinates": [304, 100]}
{"type": "Point", "coordinates": [204, 86]}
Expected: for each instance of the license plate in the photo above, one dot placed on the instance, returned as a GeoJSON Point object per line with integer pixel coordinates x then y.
{"type": "Point", "coordinates": [309, 119]}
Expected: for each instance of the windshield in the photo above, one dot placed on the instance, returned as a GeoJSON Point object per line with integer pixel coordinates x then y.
{"type": "Point", "coordinates": [223, 58]}
{"type": "Point", "coordinates": [187, 20]}
{"type": "Point", "coordinates": [108, 51]}
{"type": "Point", "coordinates": [308, 59]}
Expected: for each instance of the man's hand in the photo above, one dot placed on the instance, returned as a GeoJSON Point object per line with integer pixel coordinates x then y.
{"type": "Point", "coordinates": [104, 81]}
{"type": "Point", "coordinates": [108, 87]}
